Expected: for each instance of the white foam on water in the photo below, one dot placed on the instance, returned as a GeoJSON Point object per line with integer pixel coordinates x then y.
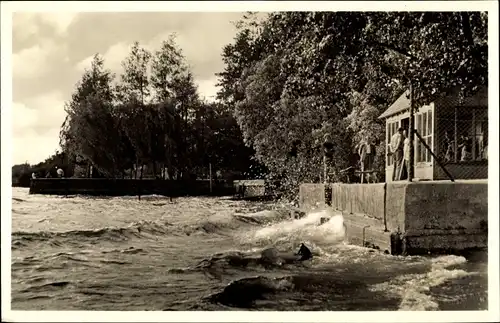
{"type": "Point", "coordinates": [307, 228]}
{"type": "Point", "coordinates": [269, 215]}
{"type": "Point", "coordinates": [413, 289]}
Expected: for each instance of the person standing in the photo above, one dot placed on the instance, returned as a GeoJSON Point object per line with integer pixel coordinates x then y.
{"type": "Point", "coordinates": [60, 172]}
{"type": "Point", "coordinates": [406, 156]}
{"type": "Point", "coordinates": [448, 147]}
{"type": "Point", "coordinates": [484, 150]}
{"type": "Point", "coordinates": [466, 148]}
{"type": "Point", "coordinates": [366, 152]}
{"type": "Point", "coordinates": [396, 147]}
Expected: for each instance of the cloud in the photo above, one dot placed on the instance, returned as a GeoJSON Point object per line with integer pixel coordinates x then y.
{"type": "Point", "coordinates": [23, 118]}
{"type": "Point", "coordinates": [24, 27]}
{"type": "Point", "coordinates": [34, 148]}
{"type": "Point", "coordinates": [30, 29]}
{"type": "Point", "coordinates": [51, 51]}
{"type": "Point", "coordinates": [84, 64]}
{"type": "Point", "coordinates": [60, 21]}
{"type": "Point", "coordinates": [27, 23]}
{"type": "Point", "coordinates": [36, 123]}
{"type": "Point", "coordinates": [31, 62]}
{"type": "Point", "coordinates": [113, 58]}
{"type": "Point", "coordinates": [115, 55]}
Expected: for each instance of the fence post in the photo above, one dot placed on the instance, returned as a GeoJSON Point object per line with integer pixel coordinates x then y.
{"type": "Point", "coordinates": [411, 132]}
{"type": "Point", "coordinates": [385, 208]}
{"type": "Point", "coordinates": [455, 138]}
{"type": "Point", "coordinates": [210, 175]}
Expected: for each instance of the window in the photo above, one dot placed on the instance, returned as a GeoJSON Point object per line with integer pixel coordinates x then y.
{"type": "Point", "coordinates": [464, 135]}
{"type": "Point", "coordinates": [429, 138]}
{"type": "Point", "coordinates": [471, 132]}
{"type": "Point", "coordinates": [424, 128]}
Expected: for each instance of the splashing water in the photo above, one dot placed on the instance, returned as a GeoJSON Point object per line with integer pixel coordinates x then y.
{"type": "Point", "coordinates": [414, 289]}
{"type": "Point", "coordinates": [307, 229]}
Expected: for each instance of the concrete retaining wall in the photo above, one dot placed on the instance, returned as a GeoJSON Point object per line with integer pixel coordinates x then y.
{"type": "Point", "coordinates": [428, 215]}
{"type": "Point", "coordinates": [446, 206]}
{"type": "Point", "coordinates": [366, 199]}
{"type": "Point", "coordinates": [395, 205]}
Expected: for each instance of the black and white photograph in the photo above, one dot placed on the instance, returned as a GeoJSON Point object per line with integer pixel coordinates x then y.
{"type": "Point", "coordinates": [250, 161]}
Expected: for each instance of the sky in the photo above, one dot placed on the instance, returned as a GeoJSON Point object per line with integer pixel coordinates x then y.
{"type": "Point", "coordinates": [51, 50]}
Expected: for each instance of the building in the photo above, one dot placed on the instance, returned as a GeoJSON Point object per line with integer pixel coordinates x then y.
{"type": "Point", "coordinates": [455, 129]}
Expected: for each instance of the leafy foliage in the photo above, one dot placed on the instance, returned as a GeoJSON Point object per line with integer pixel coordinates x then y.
{"type": "Point", "coordinates": [152, 122]}
{"type": "Point", "coordinates": [300, 75]}
{"type": "Point", "coordinates": [289, 79]}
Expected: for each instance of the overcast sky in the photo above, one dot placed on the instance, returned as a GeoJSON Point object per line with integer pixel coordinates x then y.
{"type": "Point", "coordinates": [50, 51]}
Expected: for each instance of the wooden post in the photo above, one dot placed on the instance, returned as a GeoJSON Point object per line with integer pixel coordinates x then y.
{"type": "Point", "coordinates": [387, 144]}
{"type": "Point", "coordinates": [325, 171]}
{"type": "Point", "coordinates": [210, 175]}
{"type": "Point", "coordinates": [455, 139]}
{"type": "Point", "coordinates": [411, 132]}
{"type": "Point", "coordinates": [362, 166]}
{"type": "Point", "coordinates": [473, 134]}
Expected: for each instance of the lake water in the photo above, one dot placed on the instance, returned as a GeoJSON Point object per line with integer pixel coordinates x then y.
{"type": "Point", "coordinates": [86, 253]}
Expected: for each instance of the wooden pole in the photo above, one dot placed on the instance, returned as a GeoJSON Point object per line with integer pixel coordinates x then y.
{"type": "Point", "coordinates": [411, 132]}
{"type": "Point", "coordinates": [473, 134]}
{"type": "Point", "coordinates": [210, 175]}
{"type": "Point", "coordinates": [455, 138]}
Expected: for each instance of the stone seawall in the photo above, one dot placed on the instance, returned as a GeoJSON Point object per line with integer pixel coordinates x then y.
{"type": "Point", "coordinates": [418, 217]}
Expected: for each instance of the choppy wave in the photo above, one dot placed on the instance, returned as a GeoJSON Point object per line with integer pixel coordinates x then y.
{"type": "Point", "coordinates": [355, 289]}
{"type": "Point", "coordinates": [136, 229]}
{"type": "Point", "coordinates": [203, 253]}
{"type": "Point", "coordinates": [215, 224]}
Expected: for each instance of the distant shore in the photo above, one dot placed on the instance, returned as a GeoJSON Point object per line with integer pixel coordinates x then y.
{"type": "Point", "coordinates": [247, 190]}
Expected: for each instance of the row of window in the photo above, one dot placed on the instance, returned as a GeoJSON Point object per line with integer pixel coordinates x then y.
{"type": "Point", "coordinates": [424, 126]}
{"type": "Point", "coordinates": [463, 135]}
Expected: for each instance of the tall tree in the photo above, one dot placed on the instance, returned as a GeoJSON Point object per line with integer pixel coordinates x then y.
{"type": "Point", "coordinates": [135, 81]}
{"type": "Point", "coordinates": [90, 129]}
{"type": "Point", "coordinates": [167, 65]}
{"type": "Point", "coordinates": [134, 92]}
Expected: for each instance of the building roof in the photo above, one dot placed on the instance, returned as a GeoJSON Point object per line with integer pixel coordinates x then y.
{"type": "Point", "coordinates": [480, 98]}
{"type": "Point", "coordinates": [400, 105]}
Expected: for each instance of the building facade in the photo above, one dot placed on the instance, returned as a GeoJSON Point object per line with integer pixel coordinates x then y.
{"type": "Point", "coordinates": [454, 128]}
